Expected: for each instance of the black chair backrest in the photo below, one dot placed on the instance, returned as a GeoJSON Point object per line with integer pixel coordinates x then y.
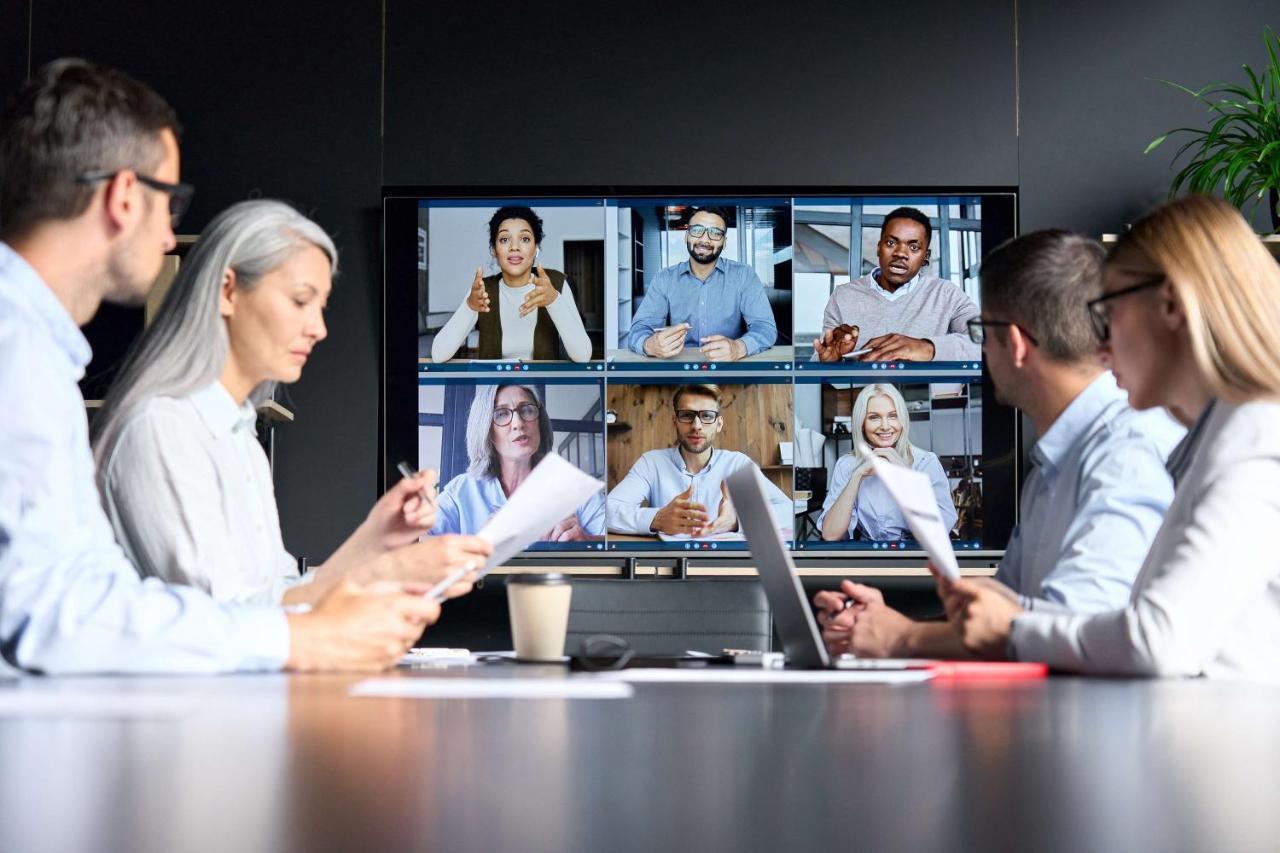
{"type": "Point", "coordinates": [669, 617]}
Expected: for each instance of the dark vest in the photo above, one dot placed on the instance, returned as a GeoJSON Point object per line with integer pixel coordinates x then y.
{"type": "Point", "coordinates": [546, 341]}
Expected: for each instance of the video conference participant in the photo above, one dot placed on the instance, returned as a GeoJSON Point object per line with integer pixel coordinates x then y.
{"type": "Point", "coordinates": [508, 433]}
{"type": "Point", "coordinates": [535, 315]}
{"type": "Point", "coordinates": [898, 310]}
{"type": "Point", "coordinates": [858, 506]}
{"type": "Point", "coordinates": [183, 478]}
{"type": "Point", "coordinates": [710, 302]}
{"type": "Point", "coordinates": [1098, 490]}
{"type": "Point", "coordinates": [682, 489]}
{"type": "Point", "coordinates": [1189, 317]}
{"type": "Point", "coordinates": [89, 192]}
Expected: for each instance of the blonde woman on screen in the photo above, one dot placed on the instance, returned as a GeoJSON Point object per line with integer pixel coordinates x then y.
{"type": "Point", "coordinates": [859, 504]}
{"type": "Point", "coordinates": [1189, 319]}
{"type": "Point", "coordinates": [183, 479]}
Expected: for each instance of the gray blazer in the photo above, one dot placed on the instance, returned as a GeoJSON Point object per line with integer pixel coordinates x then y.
{"type": "Point", "coordinates": [1207, 599]}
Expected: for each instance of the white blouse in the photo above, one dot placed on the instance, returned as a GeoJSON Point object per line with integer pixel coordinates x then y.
{"type": "Point", "coordinates": [517, 331]}
{"type": "Point", "coordinates": [188, 490]}
{"type": "Point", "coordinates": [1207, 599]}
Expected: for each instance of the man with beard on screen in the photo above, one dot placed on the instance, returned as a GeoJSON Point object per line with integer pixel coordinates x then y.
{"type": "Point", "coordinates": [680, 490]}
{"type": "Point", "coordinates": [710, 302]}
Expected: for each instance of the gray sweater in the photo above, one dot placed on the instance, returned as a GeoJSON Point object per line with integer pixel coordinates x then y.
{"type": "Point", "coordinates": [935, 309]}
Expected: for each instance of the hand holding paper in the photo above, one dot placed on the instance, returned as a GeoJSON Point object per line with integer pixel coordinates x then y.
{"type": "Point", "coordinates": [913, 494]}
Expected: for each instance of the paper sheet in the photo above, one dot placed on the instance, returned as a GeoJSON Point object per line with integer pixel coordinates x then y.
{"type": "Point", "coordinates": [913, 493]}
{"type": "Point", "coordinates": [493, 688]}
{"type": "Point", "coordinates": [551, 493]}
{"type": "Point", "coordinates": [749, 675]}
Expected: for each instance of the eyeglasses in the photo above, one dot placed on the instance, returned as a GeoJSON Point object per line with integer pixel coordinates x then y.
{"type": "Point", "coordinates": [604, 653]}
{"type": "Point", "coordinates": [179, 194]}
{"type": "Point", "coordinates": [527, 411]}
{"type": "Point", "coordinates": [1100, 312]}
{"type": "Point", "coordinates": [716, 234]}
{"type": "Point", "coordinates": [978, 330]}
{"type": "Point", "coordinates": [707, 416]}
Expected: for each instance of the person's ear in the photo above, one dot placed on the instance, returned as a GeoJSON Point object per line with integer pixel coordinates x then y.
{"type": "Point", "coordinates": [227, 293]}
{"type": "Point", "coordinates": [1171, 310]}
{"type": "Point", "coordinates": [1019, 346]}
{"type": "Point", "coordinates": [121, 205]}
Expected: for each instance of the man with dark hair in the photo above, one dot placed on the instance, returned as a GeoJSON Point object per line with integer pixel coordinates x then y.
{"type": "Point", "coordinates": [89, 195]}
{"type": "Point", "coordinates": [898, 312]}
{"type": "Point", "coordinates": [1099, 489]}
{"type": "Point", "coordinates": [680, 490]}
{"type": "Point", "coordinates": [717, 304]}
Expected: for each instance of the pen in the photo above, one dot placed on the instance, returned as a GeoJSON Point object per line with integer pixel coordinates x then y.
{"type": "Point", "coordinates": [437, 592]}
{"type": "Point", "coordinates": [407, 471]}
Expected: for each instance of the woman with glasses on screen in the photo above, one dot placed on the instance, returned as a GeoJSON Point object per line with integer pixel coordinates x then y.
{"type": "Point", "coordinates": [183, 479]}
{"type": "Point", "coordinates": [508, 433]}
{"type": "Point", "coordinates": [858, 506]}
{"type": "Point", "coordinates": [1189, 319]}
{"type": "Point", "coordinates": [523, 311]}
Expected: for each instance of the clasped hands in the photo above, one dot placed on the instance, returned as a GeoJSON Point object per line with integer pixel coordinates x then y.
{"type": "Point", "coordinates": [685, 515]}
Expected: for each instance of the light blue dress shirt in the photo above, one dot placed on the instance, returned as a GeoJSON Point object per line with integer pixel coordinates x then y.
{"type": "Point", "coordinates": [729, 302]}
{"type": "Point", "coordinates": [70, 601]}
{"type": "Point", "coordinates": [466, 502]}
{"type": "Point", "coordinates": [895, 295]}
{"type": "Point", "coordinates": [659, 475]}
{"type": "Point", "coordinates": [875, 510]}
{"type": "Point", "coordinates": [1092, 504]}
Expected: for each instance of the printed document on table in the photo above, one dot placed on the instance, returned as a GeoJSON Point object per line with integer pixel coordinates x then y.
{"type": "Point", "coordinates": [552, 492]}
{"type": "Point", "coordinates": [913, 493]}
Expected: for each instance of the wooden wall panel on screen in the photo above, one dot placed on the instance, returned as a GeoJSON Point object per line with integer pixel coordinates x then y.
{"type": "Point", "coordinates": [756, 418]}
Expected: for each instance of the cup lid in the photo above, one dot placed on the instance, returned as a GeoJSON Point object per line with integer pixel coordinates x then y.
{"type": "Point", "coordinates": [538, 578]}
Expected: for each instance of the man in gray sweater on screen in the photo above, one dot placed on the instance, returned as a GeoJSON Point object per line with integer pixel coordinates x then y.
{"type": "Point", "coordinates": [898, 312]}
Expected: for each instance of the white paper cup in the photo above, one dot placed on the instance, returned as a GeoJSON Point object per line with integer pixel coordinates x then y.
{"type": "Point", "coordinates": [539, 606]}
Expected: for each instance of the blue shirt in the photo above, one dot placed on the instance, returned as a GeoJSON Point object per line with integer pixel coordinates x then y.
{"type": "Point", "coordinates": [465, 504]}
{"type": "Point", "coordinates": [728, 303]}
{"type": "Point", "coordinates": [659, 475]}
{"type": "Point", "coordinates": [1093, 503]}
{"type": "Point", "coordinates": [70, 601]}
{"type": "Point", "coordinates": [875, 510]}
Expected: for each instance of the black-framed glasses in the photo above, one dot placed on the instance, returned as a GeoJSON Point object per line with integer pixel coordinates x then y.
{"type": "Point", "coordinates": [604, 653]}
{"type": "Point", "coordinates": [716, 234]}
{"type": "Point", "coordinates": [179, 194]}
{"type": "Point", "coordinates": [707, 416]}
{"type": "Point", "coordinates": [1100, 312]}
{"type": "Point", "coordinates": [526, 411]}
{"type": "Point", "coordinates": [978, 330]}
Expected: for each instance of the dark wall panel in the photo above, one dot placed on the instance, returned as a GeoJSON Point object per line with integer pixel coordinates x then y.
{"type": "Point", "coordinates": [752, 93]}
{"type": "Point", "coordinates": [1088, 108]}
{"type": "Point", "coordinates": [14, 18]}
{"type": "Point", "coordinates": [278, 99]}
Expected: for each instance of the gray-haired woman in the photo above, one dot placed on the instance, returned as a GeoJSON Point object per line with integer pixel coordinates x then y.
{"type": "Point", "coordinates": [508, 433]}
{"type": "Point", "coordinates": [183, 479]}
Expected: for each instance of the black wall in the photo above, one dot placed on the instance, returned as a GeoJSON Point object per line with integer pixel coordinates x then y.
{"type": "Point", "coordinates": [291, 99]}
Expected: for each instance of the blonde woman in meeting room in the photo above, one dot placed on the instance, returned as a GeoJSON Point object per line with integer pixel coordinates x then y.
{"type": "Point", "coordinates": [857, 503]}
{"type": "Point", "coordinates": [183, 479]}
{"type": "Point", "coordinates": [1189, 319]}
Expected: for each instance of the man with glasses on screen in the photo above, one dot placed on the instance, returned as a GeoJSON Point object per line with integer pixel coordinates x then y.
{"type": "Point", "coordinates": [898, 312]}
{"type": "Point", "coordinates": [714, 303]}
{"type": "Point", "coordinates": [1098, 490]}
{"type": "Point", "coordinates": [680, 491]}
{"type": "Point", "coordinates": [89, 197]}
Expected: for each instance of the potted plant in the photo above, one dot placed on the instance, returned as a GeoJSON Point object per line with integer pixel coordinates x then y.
{"type": "Point", "coordinates": [1240, 150]}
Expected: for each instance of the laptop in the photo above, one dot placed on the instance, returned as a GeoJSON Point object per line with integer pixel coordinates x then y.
{"type": "Point", "coordinates": [798, 630]}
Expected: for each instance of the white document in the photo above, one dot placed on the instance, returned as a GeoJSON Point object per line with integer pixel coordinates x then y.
{"type": "Point", "coordinates": [913, 493]}
{"type": "Point", "coordinates": [493, 688]}
{"type": "Point", "coordinates": [749, 675]}
{"type": "Point", "coordinates": [552, 492]}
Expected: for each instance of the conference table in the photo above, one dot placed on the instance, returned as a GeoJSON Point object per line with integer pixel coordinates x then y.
{"type": "Point", "coordinates": [295, 763]}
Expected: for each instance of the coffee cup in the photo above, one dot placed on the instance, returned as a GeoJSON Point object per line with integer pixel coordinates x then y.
{"type": "Point", "coordinates": [539, 607]}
